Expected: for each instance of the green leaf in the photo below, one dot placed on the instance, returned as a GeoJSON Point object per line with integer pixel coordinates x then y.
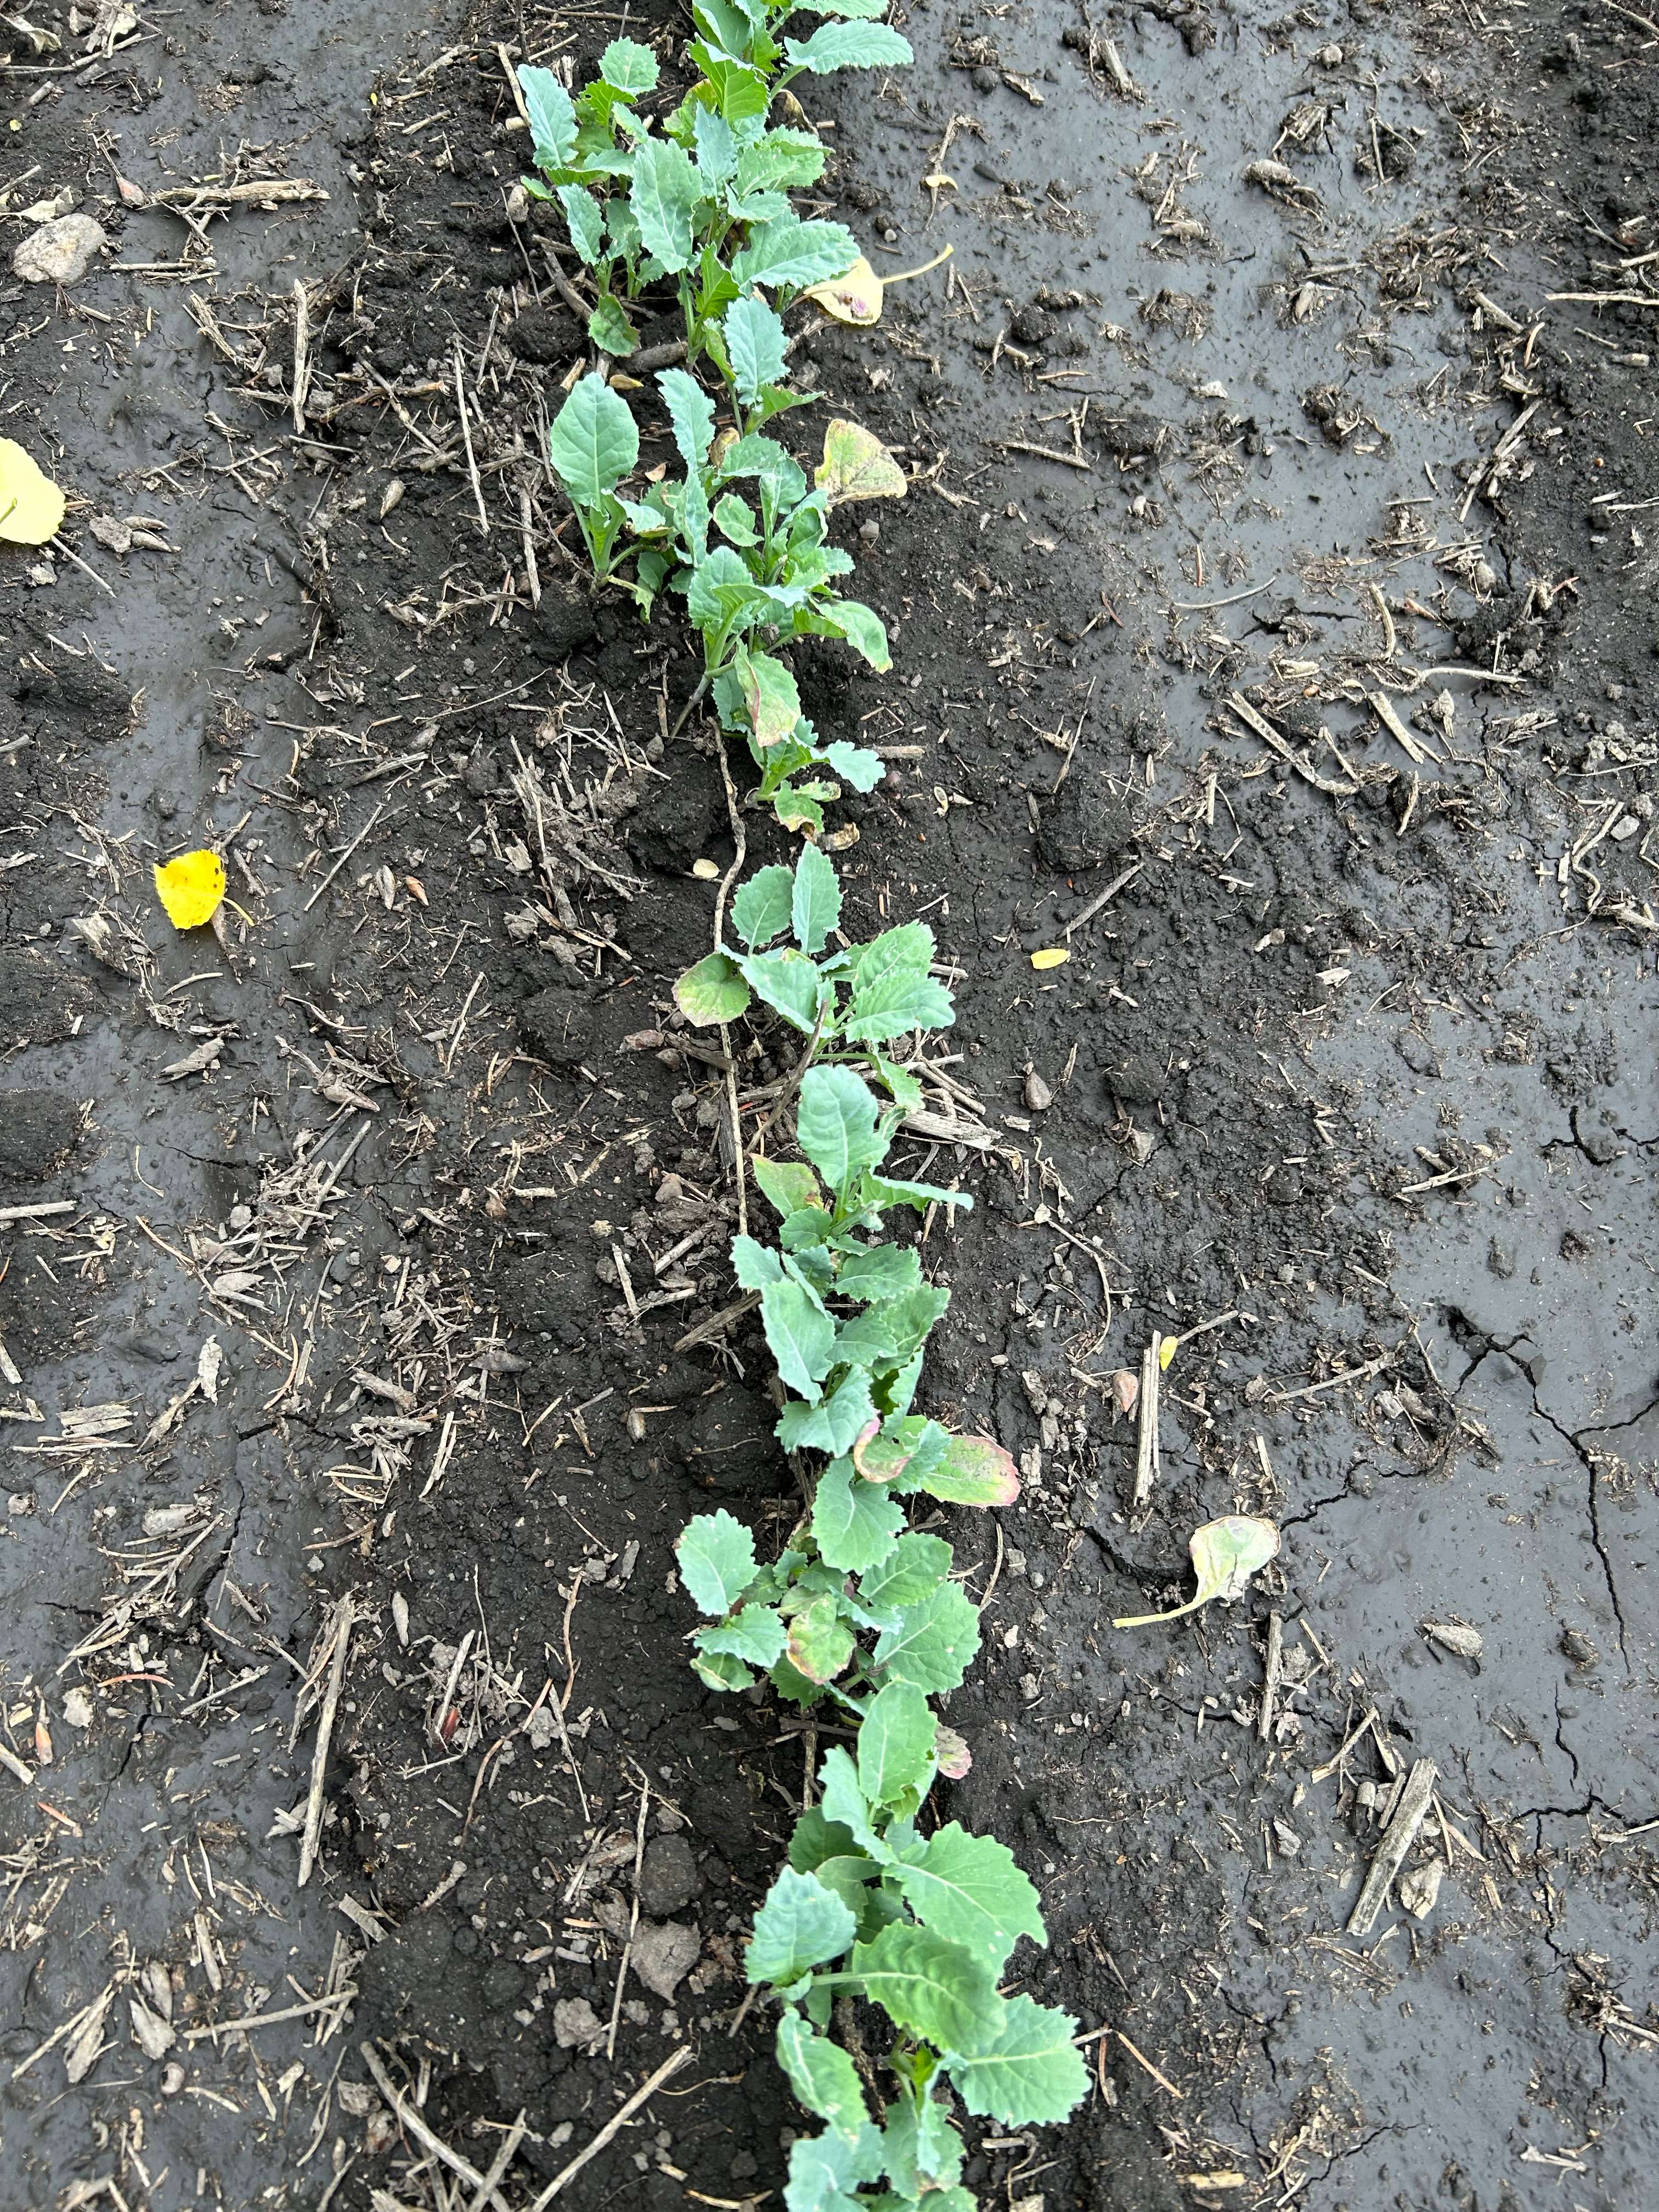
{"type": "Point", "coordinates": [790, 1185]}
{"type": "Point", "coordinates": [836, 1123]}
{"type": "Point", "coordinates": [973, 1471]}
{"type": "Point", "coordinates": [854, 1524]}
{"type": "Point", "coordinates": [736, 518]}
{"type": "Point", "coordinates": [862, 629]}
{"type": "Point", "coordinates": [609, 328]}
{"type": "Point", "coordinates": [833, 1426]}
{"type": "Point", "coordinates": [593, 443]}
{"type": "Point", "coordinates": [665, 191]}
{"type": "Point", "coordinates": [801, 1335]}
{"type": "Point", "coordinates": [909, 1447]}
{"type": "Point", "coordinates": [912, 1571]}
{"type": "Point", "coordinates": [754, 346]}
{"type": "Point", "coordinates": [773, 702]}
{"type": "Point", "coordinates": [817, 900]}
{"type": "Point", "coordinates": [716, 1556]}
{"type": "Point", "coordinates": [787, 982]}
{"type": "Point", "coordinates": [720, 588]}
{"type": "Point", "coordinates": [849, 45]}
{"type": "Point", "coordinates": [762, 907]}
{"type": "Point", "coordinates": [923, 2152]}
{"type": "Point", "coordinates": [798, 810]}
{"type": "Point", "coordinates": [822, 2076]}
{"type": "Point", "coordinates": [879, 1271]}
{"type": "Point", "coordinates": [895, 1003]}
{"type": "Point", "coordinates": [967, 1887]}
{"type": "Point", "coordinates": [814, 1838]}
{"type": "Point", "coordinates": [714, 991]}
{"type": "Point", "coordinates": [754, 1265]}
{"type": "Point", "coordinates": [879, 1190]}
{"type": "Point", "coordinates": [585, 220]}
{"type": "Point", "coordinates": [824, 2170]}
{"type": "Point", "coordinates": [794, 253]}
{"type": "Point", "coordinates": [935, 1989]}
{"type": "Point", "coordinates": [780, 161]}
{"type": "Point", "coordinates": [717, 149]}
{"type": "Point", "coordinates": [896, 1756]}
{"type": "Point", "coordinates": [755, 1633]}
{"type": "Point", "coordinates": [819, 1643]}
{"type": "Point", "coordinates": [689, 413]}
{"type": "Point", "coordinates": [843, 1802]}
{"type": "Point", "coordinates": [932, 1642]}
{"type": "Point", "coordinates": [798, 1232]}
{"type": "Point", "coordinates": [743, 93]}
{"type": "Point", "coordinates": [552, 117]}
{"type": "Point", "coordinates": [628, 66]}
{"type": "Point", "coordinates": [800, 1925]}
{"type": "Point", "coordinates": [720, 1671]}
{"type": "Point", "coordinates": [854, 764]}
{"type": "Point", "coordinates": [1020, 2065]}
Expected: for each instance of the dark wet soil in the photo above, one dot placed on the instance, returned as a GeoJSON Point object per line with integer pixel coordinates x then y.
{"type": "Point", "coordinates": [382, 1223]}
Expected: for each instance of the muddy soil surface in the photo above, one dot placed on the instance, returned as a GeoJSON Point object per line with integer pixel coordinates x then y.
{"type": "Point", "coordinates": [1272, 619]}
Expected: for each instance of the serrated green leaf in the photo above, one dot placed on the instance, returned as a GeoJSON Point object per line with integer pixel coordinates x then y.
{"type": "Point", "coordinates": [855, 765]}
{"type": "Point", "coordinates": [711, 991]}
{"type": "Point", "coordinates": [836, 1125]}
{"type": "Point", "coordinates": [896, 1754]}
{"type": "Point", "coordinates": [1020, 2065]}
{"type": "Point", "coordinates": [823, 2076]}
{"type": "Point", "coordinates": [716, 1557]}
{"type": "Point", "coordinates": [800, 1925]}
{"type": "Point", "coordinates": [832, 1426]}
{"type": "Point", "coordinates": [908, 1577]}
{"type": "Point", "coordinates": [824, 2170]}
{"type": "Point", "coordinates": [798, 810]}
{"type": "Point", "coordinates": [593, 443]}
{"type": "Point", "coordinates": [609, 328]}
{"type": "Point", "coordinates": [781, 162]}
{"type": "Point", "coordinates": [817, 900]}
{"type": "Point", "coordinates": [973, 1471]}
{"type": "Point", "coordinates": [879, 1271]}
{"type": "Point", "coordinates": [665, 191]}
{"type": "Point", "coordinates": [762, 908]}
{"type": "Point", "coordinates": [967, 1887]}
{"type": "Point", "coordinates": [922, 2153]}
{"type": "Point", "coordinates": [754, 1265]}
{"type": "Point", "coordinates": [801, 1336]}
{"type": "Point", "coordinates": [819, 1643]}
{"type": "Point", "coordinates": [895, 1004]}
{"type": "Point", "coordinates": [755, 1633]}
{"type": "Point", "coordinates": [720, 589]}
{"type": "Point", "coordinates": [798, 1232]}
{"type": "Point", "coordinates": [717, 149]}
{"type": "Point", "coordinates": [790, 1185]}
{"type": "Point", "coordinates": [690, 414]}
{"type": "Point", "coordinates": [849, 45]}
{"type": "Point", "coordinates": [934, 1988]}
{"type": "Point", "coordinates": [881, 1190]}
{"type": "Point", "coordinates": [552, 117]}
{"type": "Point", "coordinates": [787, 982]}
{"type": "Point", "coordinates": [932, 1644]}
{"type": "Point", "coordinates": [755, 345]}
{"type": "Point", "coordinates": [585, 220]}
{"type": "Point", "coordinates": [909, 1447]}
{"type": "Point", "coordinates": [794, 253]}
{"type": "Point", "coordinates": [628, 67]}
{"type": "Point", "coordinates": [855, 1524]}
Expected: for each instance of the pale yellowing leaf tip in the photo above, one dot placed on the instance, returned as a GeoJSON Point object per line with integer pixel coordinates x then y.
{"type": "Point", "coordinates": [190, 888]}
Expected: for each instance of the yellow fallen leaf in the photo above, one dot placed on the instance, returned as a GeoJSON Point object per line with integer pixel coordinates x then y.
{"type": "Point", "coordinates": [856, 296]}
{"type": "Point", "coordinates": [706, 872]}
{"type": "Point", "coordinates": [191, 888]}
{"type": "Point", "coordinates": [1166, 1352]}
{"type": "Point", "coordinates": [857, 465]}
{"type": "Point", "coordinates": [1051, 956]}
{"type": "Point", "coordinates": [31, 505]}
